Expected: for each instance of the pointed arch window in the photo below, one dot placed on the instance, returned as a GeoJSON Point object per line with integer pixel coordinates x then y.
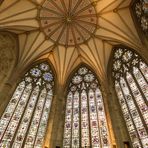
{"type": "Point", "coordinates": [24, 121]}
{"type": "Point", "coordinates": [140, 10]}
{"type": "Point", "coordinates": [85, 118]}
{"type": "Point", "coordinates": [130, 75]}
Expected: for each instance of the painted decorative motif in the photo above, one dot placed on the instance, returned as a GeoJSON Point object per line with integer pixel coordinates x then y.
{"type": "Point", "coordinates": [85, 119]}
{"type": "Point", "coordinates": [130, 74]}
{"type": "Point", "coordinates": [24, 122]}
{"type": "Point", "coordinates": [68, 22]}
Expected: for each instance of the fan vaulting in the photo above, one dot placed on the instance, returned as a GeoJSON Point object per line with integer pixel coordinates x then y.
{"type": "Point", "coordinates": [69, 32]}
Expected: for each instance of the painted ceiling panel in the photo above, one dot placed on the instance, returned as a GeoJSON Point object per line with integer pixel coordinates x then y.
{"type": "Point", "coordinates": [107, 34]}
{"type": "Point", "coordinates": [19, 8]}
{"type": "Point", "coordinates": [87, 37]}
{"type": "Point", "coordinates": [110, 26]}
{"type": "Point", "coordinates": [44, 48]}
{"type": "Point", "coordinates": [104, 5]}
{"type": "Point", "coordinates": [87, 55]}
{"type": "Point", "coordinates": [73, 63]}
{"type": "Point", "coordinates": [18, 14]}
{"type": "Point", "coordinates": [125, 3]}
{"type": "Point", "coordinates": [13, 30]}
{"type": "Point", "coordinates": [30, 14]}
{"type": "Point", "coordinates": [92, 54]}
{"type": "Point", "coordinates": [44, 57]}
{"type": "Point", "coordinates": [93, 48]}
{"type": "Point", "coordinates": [6, 4]}
{"type": "Point", "coordinates": [70, 52]}
{"type": "Point", "coordinates": [30, 39]}
{"type": "Point", "coordinates": [33, 45]}
{"type": "Point", "coordinates": [21, 26]}
{"type": "Point", "coordinates": [107, 49]}
{"type": "Point", "coordinates": [63, 61]}
{"type": "Point", "coordinates": [126, 17]}
{"type": "Point", "coordinates": [114, 22]}
{"type": "Point", "coordinates": [101, 50]}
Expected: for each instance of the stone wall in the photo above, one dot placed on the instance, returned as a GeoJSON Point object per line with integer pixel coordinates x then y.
{"type": "Point", "coordinates": [8, 59]}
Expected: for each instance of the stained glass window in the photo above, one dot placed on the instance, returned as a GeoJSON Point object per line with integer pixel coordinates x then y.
{"type": "Point", "coordinates": [24, 121]}
{"type": "Point", "coordinates": [130, 74]}
{"type": "Point", "coordinates": [85, 118]}
{"type": "Point", "coordinates": [140, 9]}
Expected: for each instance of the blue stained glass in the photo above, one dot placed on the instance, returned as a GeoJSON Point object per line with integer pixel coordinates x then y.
{"type": "Point", "coordinates": [130, 73]}
{"type": "Point", "coordinates": [48, 77]}
{"type": "Point", "coordinates": [28, 110]}
{"type": "Point", "coordinates": [85, 119]}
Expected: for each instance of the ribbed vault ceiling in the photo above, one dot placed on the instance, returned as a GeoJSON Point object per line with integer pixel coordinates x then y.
{"type": "Point", "coordinates": [110, 20]}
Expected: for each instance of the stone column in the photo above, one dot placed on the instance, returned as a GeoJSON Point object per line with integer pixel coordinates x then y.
{"type": "Point", "coordinates": [118, 123]}
{"type": "Point", "coordinates": [55, 130]}
{"type": "Point", "coordinates": [8, 90]}
{"type": "Point", "coordinates": [106, 97]}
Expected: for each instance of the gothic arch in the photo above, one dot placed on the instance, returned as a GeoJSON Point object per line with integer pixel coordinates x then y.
{"type": "Point", "coordinates": [124, 63]}
{"type": "Point", "coordinates": [25, 119]}
{"type": "Point", "coordinates": [73, 75]}
{"type": "Point", "coordinates": [138, 10]}
{"type": "Point", "coordinates": [75, 70]}
{"type": "Point", "coordinates": [45, 60]}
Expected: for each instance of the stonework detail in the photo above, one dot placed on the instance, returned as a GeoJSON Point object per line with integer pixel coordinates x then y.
{"type": "Point", "coordinates": [7, 57]}
{"type": "Point", "coordinates": [130, 75]}
{"type": "Point", "coordinates": [141, 11]}
{"type": "Point", "coordinates": [68, 22]}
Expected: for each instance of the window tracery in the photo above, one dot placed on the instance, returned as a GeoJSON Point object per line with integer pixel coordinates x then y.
{"type": "Point", "coordinates": [141, 11]}
{"type": "Point", "coordinates": [130, 75]}
{"type": "Point", "coordinates": [85, 119]}
{"type": "Point", "coordinates": [24, 121]}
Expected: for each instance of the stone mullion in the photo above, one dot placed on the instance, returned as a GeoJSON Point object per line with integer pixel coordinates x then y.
{"type": "Point", "coordinates": [139, 88]}
{"type": "Point", "coordinates": [13, 111]}
{"type": "Point", "coordinates": [40, 118]}
{"type": "Point", "coordinates": [80, 92]}
{"type": "Point", "coordinates": [142, 74]}
{"type": "Point", "coordinates": [48, 140]}
{"type": "Point", "coordinates": [13, 139]}
{"type": "Point", "coordinates": [105, 96]}
{"type": "Point", "coordinates": [71, 119]}
{"type": "Point", "coordinates": [96, 106]}
{"type": "Point", "coordinates": [57, 115]}
{"type": "Point", "coordinates": [130, 115]}
{"type": "Point", "coordinates": [88, 109]}
{"type": "Point", "coordinates": [122, 115]}
{"type": "Point", "coordinates": [31, 118]}
{"type": "Point", "coordinates": [137, 107]}
{"type": "Point", "coordinates": [48, 117]}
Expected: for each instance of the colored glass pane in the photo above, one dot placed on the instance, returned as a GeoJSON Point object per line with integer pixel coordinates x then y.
{"type": "Point", "coordinates": [131, 86]}
{"type": "Point", "coordinates": [85, 119]}
{"type": "Point", "coordinates": [24, 121]}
